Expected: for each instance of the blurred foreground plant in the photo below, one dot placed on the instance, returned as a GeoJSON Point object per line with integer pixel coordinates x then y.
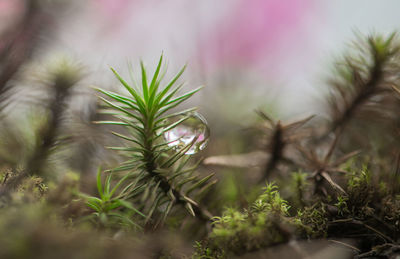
{"type": "Point", "coordinates": [60, 78]}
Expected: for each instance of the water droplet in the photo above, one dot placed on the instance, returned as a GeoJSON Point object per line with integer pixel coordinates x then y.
{"type": "Point", "coordinates": [193, 128]}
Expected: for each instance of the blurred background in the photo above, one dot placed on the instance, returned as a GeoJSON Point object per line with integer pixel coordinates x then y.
{"type": "Point", "coordinates": [262, 51]}
{"type": "Point", "coordinates": [250, 54]}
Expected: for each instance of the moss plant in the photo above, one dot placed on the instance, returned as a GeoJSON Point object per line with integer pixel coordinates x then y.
{"type": "Point", "coordinates": [110, 211]}
{"type": "Point", "coordinates": [264, 223]}
{"type": "Point", "coordinates": [155, 175]}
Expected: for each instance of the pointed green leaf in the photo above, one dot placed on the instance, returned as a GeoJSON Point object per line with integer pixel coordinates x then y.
{"type": "Point", "coordinates": [171, 104]}
{"type": "Point", "coordinates": [115, 188]}
{"type": "Point", "coordinates": [111, 123]}
{"type": "Point", "coordinates": [107, 186]}
{"type": "Point", "coordinates": [173, 125]}
{"type": "Point", "coordinates": [120, 108]}
{"type": "Point", "coordinates": [154, 85]}
{"type": "Point", "coordinates": [99, 185]}
{"type": "Point", "coordinates": [169, 85]}
{"type": "Point", "coordinates": [127, 138]}
{"type": "Point", "coordinates": [198, 184]}
{"type": "Point", "coordinates": [153, 207]}
{"type": "Point", "coordinates": [161, 103]}
{"type": "Point", "coordinates": [186, 111]}
{"type": "Point", "coordinates": [131, 103]}
{"type": "Point", "coordinates": [138, 99]}
{"type": "Point", "coordinates": [145, 87]}
{"type": "Point", "coordinates": [206, 188]}
{"type": "Point", "coordinates": [185, 181]}
{"type": "Point", "coordinates": [179, 154]}
{"type": "Point", "coordinates": [93, 205]}
{"type": "Point", "coordinates": [184, 97]}
{"type": "Point", "coordinates": [128, 205]}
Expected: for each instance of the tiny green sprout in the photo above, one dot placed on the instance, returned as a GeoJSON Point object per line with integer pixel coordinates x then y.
{"type": "Point", "coordinates": [109, 209]}
{"type": "Point", "coordinates": [271, 200]}
{"type": "Point", "coordinates": [342, 205]}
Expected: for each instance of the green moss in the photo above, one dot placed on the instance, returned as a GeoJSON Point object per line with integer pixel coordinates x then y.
{"type": "Point", "coordinates": [313, 221]}
{"type": "Point", "coordinates": [265, 223]}
{"type": "Point", "coordinates": [367, 210]}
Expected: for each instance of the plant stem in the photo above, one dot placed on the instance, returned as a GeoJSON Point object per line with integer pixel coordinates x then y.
{"type": "Point", "coordinates": [165, 185]}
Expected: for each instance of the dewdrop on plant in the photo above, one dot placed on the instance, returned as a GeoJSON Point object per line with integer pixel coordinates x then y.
{"type": "Point", "coordinates": [193, 129]}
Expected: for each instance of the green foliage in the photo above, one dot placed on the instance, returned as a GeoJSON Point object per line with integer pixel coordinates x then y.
{"type": "Point", "coordinates": [263, 224]}
{"type": "Point", "coordinates": [361, 190]}
{"type": "Point", "coordinates": [157, 176]}
{"type": "Point", "coordinates": [342, 205]}
{"type": "Point", "coordinates": [313, 221]}
{"type": "Point", "coordinates": [110, 210]}
{"type": "Point", "coordinates": [367, 210]}
{"type": "Point", "coordinates": [299, 186]}
{"type": "Point", "coordinates": [270, 201]}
